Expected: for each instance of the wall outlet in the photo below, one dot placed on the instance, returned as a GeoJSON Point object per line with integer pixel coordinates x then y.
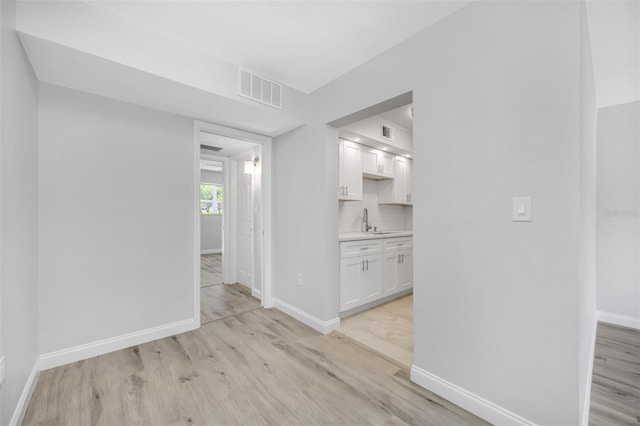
{"type": "Point", "coordinates": [300, 279]}
{"type": "Point", "coordinates": [2, 370]}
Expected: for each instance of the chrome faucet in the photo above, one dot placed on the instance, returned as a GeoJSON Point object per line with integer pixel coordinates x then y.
{"type": "Point", "coordinates": [365, 220]}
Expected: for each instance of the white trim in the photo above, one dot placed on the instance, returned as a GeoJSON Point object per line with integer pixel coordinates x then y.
{"type": "Point", "coordinates": [25, 396]}
{"type": "Point", "coordinates": [587, 394]}
{"type": "Point", "coordinates": [324, 327]}
{"type": "Point", "coordinates": [465, 399]}
{"type": "Point", "coordinates": [256, 293]}
{"type": "Point", "coordinates": [77, 353]}
{"type": "Point", "coordinates": [211, 251]}
{"type": "Point", "coordinates": [622, 320]}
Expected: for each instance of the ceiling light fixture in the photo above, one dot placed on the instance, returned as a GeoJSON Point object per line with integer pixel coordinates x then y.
{"type": "Point", "coordinates": [356, 139]}
{"type": "Point", "coordinates": [385, 148]}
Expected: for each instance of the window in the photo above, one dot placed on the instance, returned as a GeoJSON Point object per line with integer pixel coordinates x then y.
{"type": "Point", "coordinates": [210, 198]}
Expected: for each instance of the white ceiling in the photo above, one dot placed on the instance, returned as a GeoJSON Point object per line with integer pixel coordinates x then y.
{"type": "Point", "coordinates": [230, 146]}
{"type": "Point", "coordinates": [303, 44]}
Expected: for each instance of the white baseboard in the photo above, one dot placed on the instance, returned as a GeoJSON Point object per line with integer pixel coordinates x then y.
{"type": "Point", "coordinates": [25, 396]}
{"type": "Point", "coordinates": [587, 394]}
{"type": "Point", "coordinates": [324, 327]}
{"type": "Point", "coordinates": [77, 353]}
{"type": "Point", "coordinates": [622, 320]}
{"type": "Point", "coordinates": [256, 293]}
{"type": "Point", "coordinates": [465, 399]}
{"type": "Point", "coordinates": [211, 251]}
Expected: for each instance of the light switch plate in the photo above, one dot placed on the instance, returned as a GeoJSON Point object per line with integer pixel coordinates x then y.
{"type": "Point", "coordinates": [522, 209]}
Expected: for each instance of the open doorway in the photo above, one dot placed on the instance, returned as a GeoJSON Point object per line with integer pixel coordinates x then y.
{"type": "Point", "coordinates": [375, 222]}
{"type": "Point", "coordinates": [233, 227]}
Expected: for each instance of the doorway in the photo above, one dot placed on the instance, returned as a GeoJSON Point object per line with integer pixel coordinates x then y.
{"type": "Point", "coordinates": [233, 224]}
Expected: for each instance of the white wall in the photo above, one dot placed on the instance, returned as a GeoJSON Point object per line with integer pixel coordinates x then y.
{"type": "Point", "coordinates": [19, 214]}
{"type": "Point", "coordinates": [587, 252]}
{"type": "Point", "coordinates": [211, 224]}
{"type": "Point", "coordinates": [618, 209]}
{"type": "Point", "coordinates": [496, 104]}
{"type": "Point", "coordinates": [385, 217]}
{"type": "Point", "coordinates": [306, 219]}
{"type": "Point", "coordinates": [116, 218]}
{"type": "Point", "coordinates": [615, 37]}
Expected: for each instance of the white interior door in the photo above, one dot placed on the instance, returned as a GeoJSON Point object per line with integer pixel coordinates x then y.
{"type": "Point", "coordinates": [245, 228]}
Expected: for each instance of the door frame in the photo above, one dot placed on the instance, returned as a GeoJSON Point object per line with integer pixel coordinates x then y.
{"type": "Point", "coordinates": [267, 224]}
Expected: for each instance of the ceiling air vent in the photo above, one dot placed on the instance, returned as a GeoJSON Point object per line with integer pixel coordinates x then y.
{"type": "Point", "coordinates": [210, 148]}
{"type": "Point", "coordinates": [260, 89]}
{"type": "Point", "coordinates": [388, 132]}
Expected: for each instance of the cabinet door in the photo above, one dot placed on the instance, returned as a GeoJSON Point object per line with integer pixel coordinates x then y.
{"type": "Point", "coordinates": [399, 181]}
{"type": "Point", "coordinates": [351, 271]}
{"type": "Point", "coordinates": [409, 181]}
{"type": "Point", "coordinates": [370, 164]}
{"type": "Point", "coordinates": [372, 279]}
{"type": "Point", "coordinates": [405, 270]}
{"type": "Point", "coordinates": [387, 162]}
{"type": "Point", "coordinates": [391, 261]}
{"type": "Point", "coordinates": [352, 171]}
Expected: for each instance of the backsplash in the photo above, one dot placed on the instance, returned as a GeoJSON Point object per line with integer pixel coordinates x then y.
{"type": "Point", "coordinates": [385, 217]}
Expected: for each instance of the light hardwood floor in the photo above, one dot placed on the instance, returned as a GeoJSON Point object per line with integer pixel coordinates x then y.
{"type": "Point", "coordinates": [387, 329]}
{"type": "Point", "coordinates": [615, 389]}
{"type": "Point", "coordinates": [258, 367]}
{"type": "Point", "coordinates": [221, 301]}
{"type": "Point", "coordinates": [210, 269]}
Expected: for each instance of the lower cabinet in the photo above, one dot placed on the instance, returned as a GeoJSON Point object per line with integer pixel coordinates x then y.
{"type": "Point", "coordinates": [365, 278]}
{"type": "Point", "coordinates": [360, 281]}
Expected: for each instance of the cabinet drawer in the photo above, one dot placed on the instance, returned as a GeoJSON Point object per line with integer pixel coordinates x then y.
{"type": "Point", "coordinates": [400, 243]}
{"type": "Point", "coordinates": [359, 248]}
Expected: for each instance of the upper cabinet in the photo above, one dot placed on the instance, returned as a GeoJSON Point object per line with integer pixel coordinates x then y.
{"type": "Point", "coordinates": [398, 190]}
{"type": "Point", "coordinates": [377, 164]}
{"type": "Point", "coordinates": [350, 171]}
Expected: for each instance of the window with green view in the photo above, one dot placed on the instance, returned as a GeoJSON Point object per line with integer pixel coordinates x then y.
{"type": "Point", "coordinates": [210, 198]}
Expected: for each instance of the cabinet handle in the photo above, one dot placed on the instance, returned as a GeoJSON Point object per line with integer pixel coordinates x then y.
{"type": "Point", "coordinates": [398, 259]}
{"type": "Point", "coordinates": [367, 264]}
{"type": "Point", "coordinates": [362, 267]}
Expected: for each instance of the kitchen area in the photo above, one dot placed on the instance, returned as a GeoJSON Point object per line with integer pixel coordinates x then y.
{"type": "Point", "coordinates": [375, 222]}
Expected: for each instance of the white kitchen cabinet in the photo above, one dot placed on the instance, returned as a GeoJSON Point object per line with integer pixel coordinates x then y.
{"type": "Point", "coordinates": [398, 270]}
{"type": "Point", "coordinates": [405, 270]}
{"type": "Point", "coordinates": [360, 280]}
{"type": "Point", "coordinates": [373, 269]}
{"type": "Point", "coordinates": [377, 164]}
{"type": "Point", "coordinates": [350, 171]}
{"type": "Point", "coordinates": [398, 190]}
{"type": "Point", "coordinates": [409, 181]}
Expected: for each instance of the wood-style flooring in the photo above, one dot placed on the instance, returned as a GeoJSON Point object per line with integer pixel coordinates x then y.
{"type": "Point", "coordinates": [254, 368]}
{"type": "Point", "coordinates": [387, 329]}
{"type": "Point", "coordinates": [210, 269]}
{"type": "Point", "coordinates": [221, 301]}
{"type": "Point", "coordinates": [615, 388]}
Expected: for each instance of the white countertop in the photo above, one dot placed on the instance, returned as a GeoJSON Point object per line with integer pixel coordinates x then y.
{"type": "Point", "coordinates": [352, 236]}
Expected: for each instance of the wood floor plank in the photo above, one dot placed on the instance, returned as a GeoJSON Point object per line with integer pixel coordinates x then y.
{"type": "Point", "coordinates": [225, 300]}
{"type": "Point", "coordinates": [210, 269]}
{"type": "Point", "coordinates": [615, 387]}
{"type": "Point", "coordinates": [257, 367]}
